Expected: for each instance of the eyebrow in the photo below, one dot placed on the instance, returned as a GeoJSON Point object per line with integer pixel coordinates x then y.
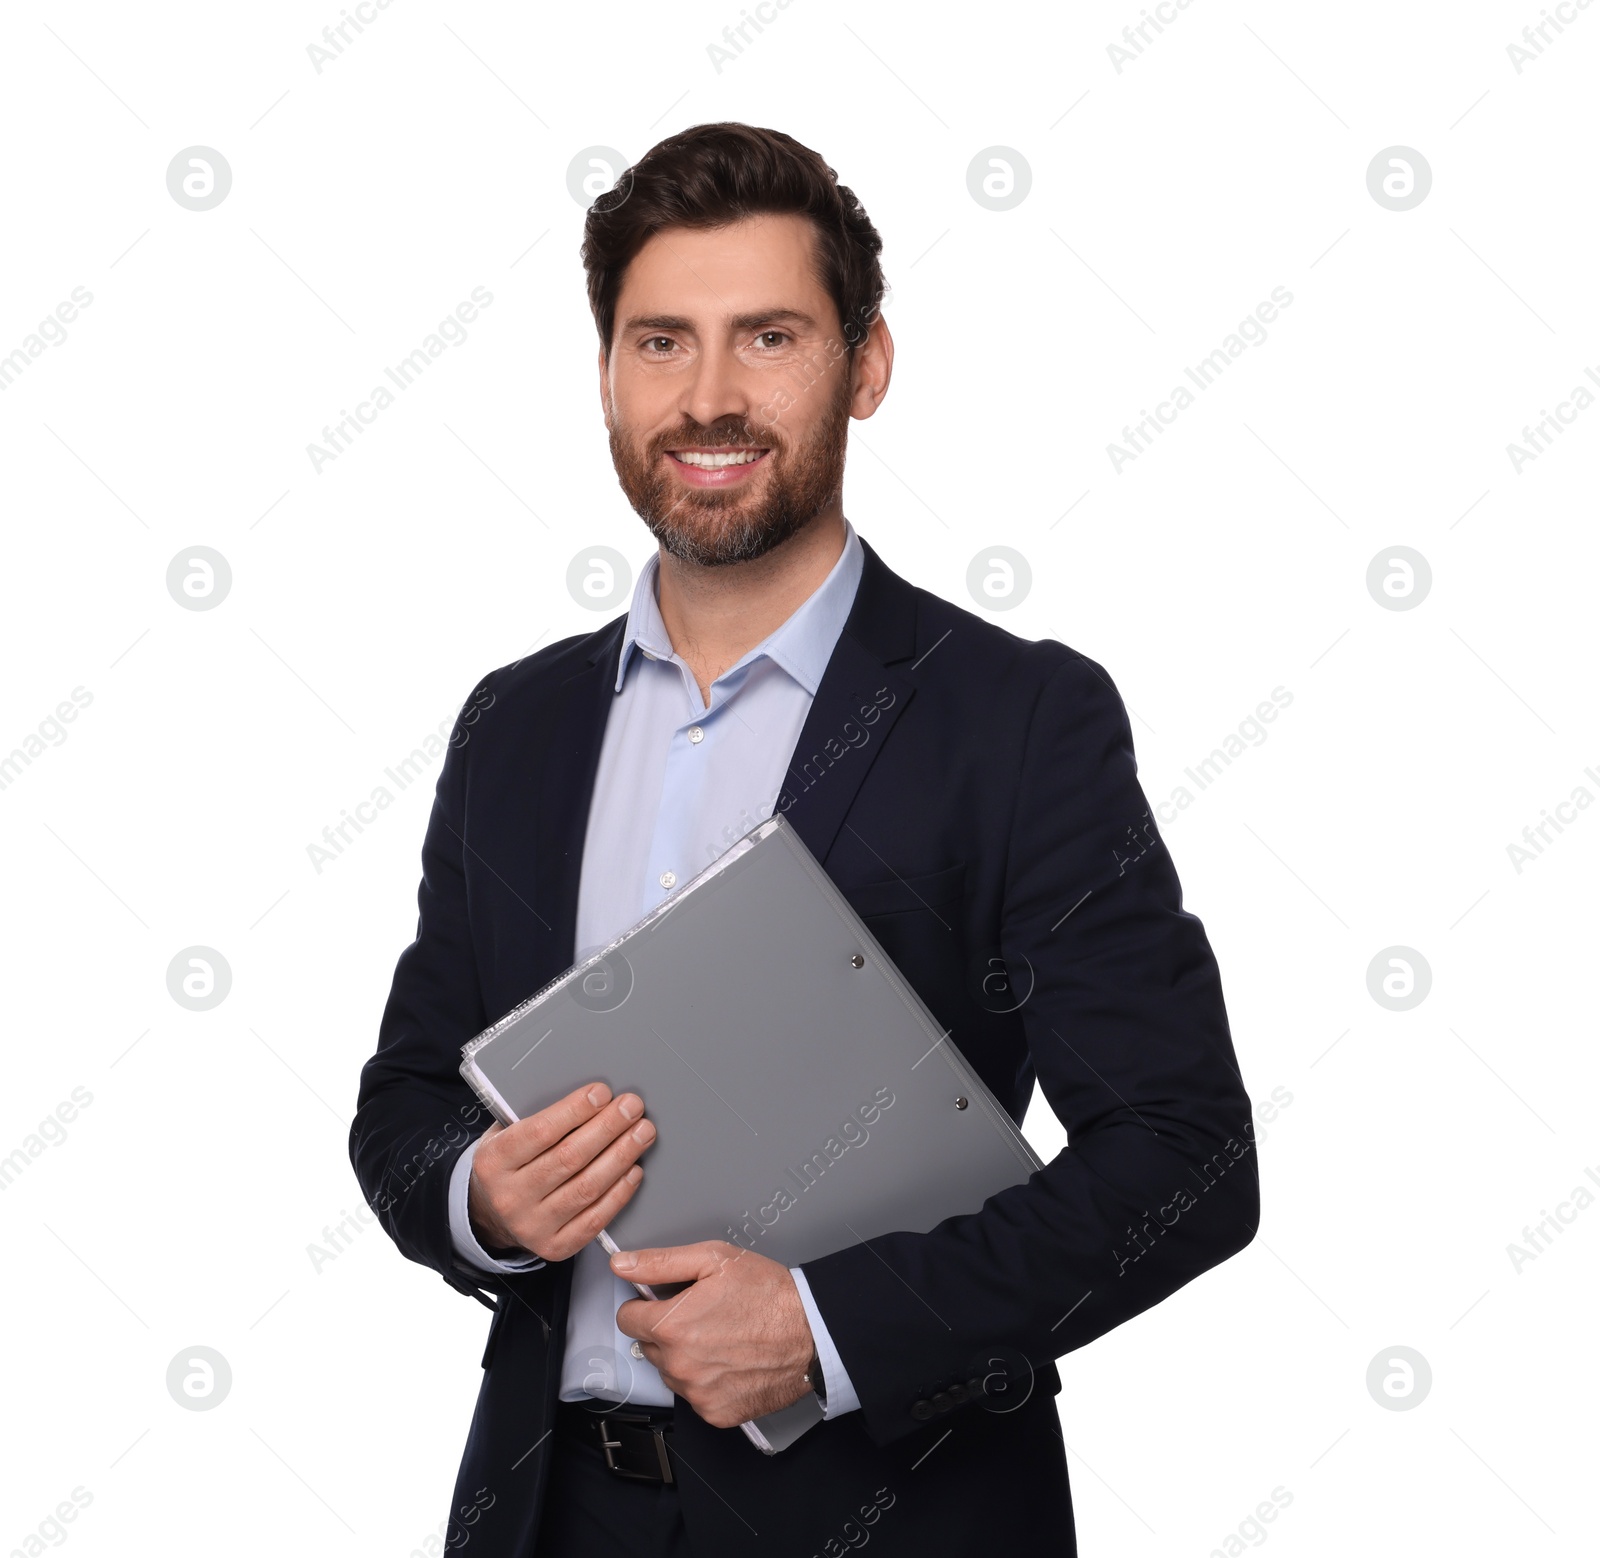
{"type": "Point", "coordinates": [680, 325]}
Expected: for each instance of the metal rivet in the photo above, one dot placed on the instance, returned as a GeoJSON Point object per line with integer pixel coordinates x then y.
{"type": "Point", "coordinates": [961, 1103]}
{"type": "Point", "coordinates": [857, 961]}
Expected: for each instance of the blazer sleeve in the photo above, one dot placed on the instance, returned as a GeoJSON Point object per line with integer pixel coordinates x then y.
{"type": "Point", "coordinates": [415, 1114]}
{"type": "Point", "coordinates": [1128, 1035]}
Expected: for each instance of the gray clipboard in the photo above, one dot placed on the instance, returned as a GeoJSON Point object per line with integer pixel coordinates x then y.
{"type": "Point", "coordinates": [804, 1097]}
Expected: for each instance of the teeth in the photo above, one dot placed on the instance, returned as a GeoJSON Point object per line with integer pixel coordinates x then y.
{"type": "Point", "coordinates": [713, 462]}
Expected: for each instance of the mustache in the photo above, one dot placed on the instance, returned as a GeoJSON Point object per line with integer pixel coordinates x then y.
{"type": "Point", "coordinates": [737, 436]}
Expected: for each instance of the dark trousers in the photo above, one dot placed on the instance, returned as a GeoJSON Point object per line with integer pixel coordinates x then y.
{"type": "Point", "coordinates": [590, 1512]}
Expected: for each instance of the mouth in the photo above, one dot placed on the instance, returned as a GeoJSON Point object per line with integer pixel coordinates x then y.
{"type": "Point", "coordinates": [725, 466]}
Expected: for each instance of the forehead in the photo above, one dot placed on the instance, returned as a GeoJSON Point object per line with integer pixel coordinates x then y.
{"type": "Point", "coordinates": [757, 262]}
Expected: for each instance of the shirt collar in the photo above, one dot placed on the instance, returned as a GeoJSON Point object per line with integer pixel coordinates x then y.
{"type": "Point", "coordinates": [802, 645]}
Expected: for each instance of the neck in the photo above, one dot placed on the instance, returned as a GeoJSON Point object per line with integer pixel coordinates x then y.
{"type": "Point", "coordinates": [715, 615]}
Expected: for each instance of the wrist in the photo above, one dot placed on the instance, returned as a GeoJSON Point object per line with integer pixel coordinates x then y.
{"type": "Point", "coordinates": [815, 1378]}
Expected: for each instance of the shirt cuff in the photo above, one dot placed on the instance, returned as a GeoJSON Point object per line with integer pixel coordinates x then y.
{"type": "Point", "coordinates": [841, 1393]}
{"type": "Point", "coordinates": [462, 1237]}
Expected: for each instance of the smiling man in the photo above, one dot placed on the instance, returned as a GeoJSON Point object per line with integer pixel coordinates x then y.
{"type": "Point", "coordinates": [970, 792]}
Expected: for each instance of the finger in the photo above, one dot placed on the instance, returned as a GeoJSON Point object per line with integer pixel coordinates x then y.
{"type": "Point", "coordinates": [578, 1149]}
{"type": "Point", "coordinates": [638, 1318]}
{"type": "Point", "coordinates": [542, 1129]}
{"type": "Point", "coordinates": [574, 1235]}
{"type": "Point", "coordinates": [523, 1140]}
{"type": "Point", "coordinates": [571, 1198]}
{"type": "Point", "coordinates": [528, 1139]}
{"type": "Point", "coordinates": [642, 1319]}
{"type": "Point", "coordinates": [674, 1263]}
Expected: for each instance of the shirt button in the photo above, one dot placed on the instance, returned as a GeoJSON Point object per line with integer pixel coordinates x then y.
{"type": "Point", "coordinates": [668, 879]}
{"type": "Point", "coordinates": [636, 1350]}
{"type": "Point", "coordinates": [696, 734]}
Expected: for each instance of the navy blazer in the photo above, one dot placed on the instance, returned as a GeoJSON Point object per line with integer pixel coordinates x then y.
{"type": "Point", "coordinates": [974, 795]}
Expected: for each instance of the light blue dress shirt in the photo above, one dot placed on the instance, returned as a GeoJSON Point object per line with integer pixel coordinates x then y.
{"type": "Point", "coordinates": [679, 781]}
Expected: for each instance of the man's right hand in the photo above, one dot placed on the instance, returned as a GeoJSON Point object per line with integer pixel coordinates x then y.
{"type": "Point", "coordinates": [548, 1184]}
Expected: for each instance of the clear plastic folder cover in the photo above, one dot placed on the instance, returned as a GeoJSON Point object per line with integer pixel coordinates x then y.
{"type": "Point", "coordinates": [804, 1097]}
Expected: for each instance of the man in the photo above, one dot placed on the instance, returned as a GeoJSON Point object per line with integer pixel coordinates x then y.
{"type": "Point", "coordinates": [973, 795]}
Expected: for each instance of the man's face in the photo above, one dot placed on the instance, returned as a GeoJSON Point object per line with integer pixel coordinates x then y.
{"type": "Point", "coordinates": [728, 388]}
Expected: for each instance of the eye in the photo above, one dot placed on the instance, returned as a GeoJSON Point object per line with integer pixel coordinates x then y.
{"type": "Point", "coordinates": [664, 341]}
{"type": "Point", "coordinates": [779, 335]}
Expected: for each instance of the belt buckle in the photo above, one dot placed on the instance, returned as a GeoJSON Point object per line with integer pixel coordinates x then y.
{"type": "Point", "coordinates": [608, 1444]}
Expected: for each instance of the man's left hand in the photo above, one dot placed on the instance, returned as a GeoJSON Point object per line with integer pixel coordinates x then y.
{"type": "Point", "coordinates": [735, 1344]}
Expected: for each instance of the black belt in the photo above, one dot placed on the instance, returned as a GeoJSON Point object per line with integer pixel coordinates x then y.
{"type": "Point", "coordinates": [633, 1439]}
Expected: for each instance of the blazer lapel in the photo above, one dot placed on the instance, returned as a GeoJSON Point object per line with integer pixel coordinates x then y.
{"type": "Point", "coordinates": [570, 760]}
{"type": "Point", "coordinates": [857, 704]}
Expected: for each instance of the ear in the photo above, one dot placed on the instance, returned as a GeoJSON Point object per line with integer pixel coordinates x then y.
{"type": "Point", "coordinates": [871, 365]}
{"type": "Point", "coordinates": [605, 398]}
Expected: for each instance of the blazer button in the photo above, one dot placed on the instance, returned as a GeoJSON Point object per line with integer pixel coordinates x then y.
{"type": "Point", "coordinates": [957, 1393]}
{"type": "Point", "coordinates": [942, 1401]}
{"type": "Point", "coordinates": [975, 1388]}
{"type": "Point", "coordinates": [922, 1410]}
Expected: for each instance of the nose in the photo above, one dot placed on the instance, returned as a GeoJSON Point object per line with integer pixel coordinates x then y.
{"type": "Point", "coordinates": [716, 391]}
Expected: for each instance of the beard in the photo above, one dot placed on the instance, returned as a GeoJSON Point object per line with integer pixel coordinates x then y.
{"type": "Point", "coordinates": [714, 528]}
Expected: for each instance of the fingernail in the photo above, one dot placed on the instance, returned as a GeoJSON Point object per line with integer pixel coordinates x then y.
{"type": "Point", "coordinates": [644, 1131]}
{"type": "Point", "coordinates": [630, 1106]}
{"type": "Point", "coordinates": [624, 1260]}
{"type": "Point", "coordinates": [598, 1094]}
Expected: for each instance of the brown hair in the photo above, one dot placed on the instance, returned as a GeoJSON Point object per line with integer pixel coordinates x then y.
{"type": "Point", "coordinates": [713, 174]}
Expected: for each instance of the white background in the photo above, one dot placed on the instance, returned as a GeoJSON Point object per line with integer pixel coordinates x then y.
{"type": "Point", "coordinates": [1168, 199]}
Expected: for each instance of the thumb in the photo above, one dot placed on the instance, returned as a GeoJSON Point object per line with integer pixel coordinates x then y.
{"type": "Point", "coordinates": [674, 1263]}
